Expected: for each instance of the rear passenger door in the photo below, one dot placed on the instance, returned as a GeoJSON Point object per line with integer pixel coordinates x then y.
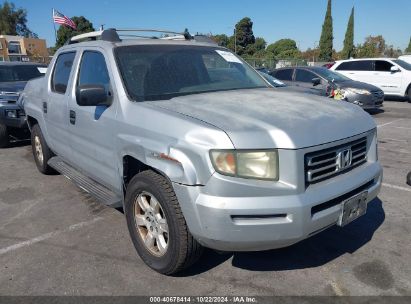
{"type": "Point", "coordinates": [55, 109]}
{"type": "Point", "coordinates": [92, 128]}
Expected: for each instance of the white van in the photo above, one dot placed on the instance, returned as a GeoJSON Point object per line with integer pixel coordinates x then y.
{"type": "Point", "coordinates": [393, 76]}
{"type": "Point", "coordinates": [406, 58]}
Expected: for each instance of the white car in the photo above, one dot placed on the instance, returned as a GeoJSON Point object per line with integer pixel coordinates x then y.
{"type": "Point", "coordinates": [393, 76]}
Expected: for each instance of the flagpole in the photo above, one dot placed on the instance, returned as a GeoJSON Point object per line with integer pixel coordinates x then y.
{"type": "Point", "coordinates": [54, 25]}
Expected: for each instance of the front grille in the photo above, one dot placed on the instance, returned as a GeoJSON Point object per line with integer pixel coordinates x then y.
{"type": "Point", "coordinates": [323, 164]}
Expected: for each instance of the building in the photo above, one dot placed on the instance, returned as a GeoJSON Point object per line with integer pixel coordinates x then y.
{"type": "Point", "coordinates": [18, 48]}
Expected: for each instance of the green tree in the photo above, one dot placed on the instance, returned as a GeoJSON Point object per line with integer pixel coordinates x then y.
{"type": "Point", "coordinates": [260, 43]}
{"type": "Point", "coordinates": [373, 46]}
{"type": "Point", "coordinates": [392, 52]}
{"type": "Point", "coordinates": [348, 50]}
{"type": "Point", "coordinates": [284, 49]}
{"type": "Point", "coordinates": [221, 39]}
{"type": "Point", "coordinates": [326, 40]}
{"type": "Point", "coordinates": [244, 34]}
{"type": "Point", "coordinates": [64, 33]}
{"type": "Point", "coordinates": [408, 49]}
{"type": "Point", "coordinates": [14, 21]}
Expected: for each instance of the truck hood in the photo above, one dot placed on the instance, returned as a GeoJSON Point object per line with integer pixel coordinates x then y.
{"type": "Point", "coordinates": [9, 91]}
{"type": "Point", "coordinates": [267, 118]}
{"type": "Point", "coordinates": [15, 86]}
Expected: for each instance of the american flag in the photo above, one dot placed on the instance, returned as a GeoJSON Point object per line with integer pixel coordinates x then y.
{"type": "Point", "coordinates": [61, 19]}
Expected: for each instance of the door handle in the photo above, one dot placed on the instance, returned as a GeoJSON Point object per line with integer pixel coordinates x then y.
{"type": "Point", "coordinates": [44, 107]}
{"type": "Point", "coordinates": [72, 117]}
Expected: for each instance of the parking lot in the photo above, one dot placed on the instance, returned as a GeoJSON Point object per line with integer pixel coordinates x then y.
{"type": "Point", "coordinates": [55, 240]}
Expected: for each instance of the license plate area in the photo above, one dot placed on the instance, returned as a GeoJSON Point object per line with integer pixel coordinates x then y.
{"type": "Point", "coordinates": [353, 208]}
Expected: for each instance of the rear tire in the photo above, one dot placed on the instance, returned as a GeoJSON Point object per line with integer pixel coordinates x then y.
{"type": "Point", "coordinates": [409, 93]}
{"type": "Point", "coordinates": [161, 237]}
{"type": "Point", "coordinates": [41, 151]}
{"type": "Point", "coordinates": [4, 136]}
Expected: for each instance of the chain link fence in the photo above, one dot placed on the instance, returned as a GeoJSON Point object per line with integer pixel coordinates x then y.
{"type": "Point", "coordinates": [271, 64]}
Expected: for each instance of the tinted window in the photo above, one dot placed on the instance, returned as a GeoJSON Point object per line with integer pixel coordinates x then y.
{"type": "Point", "coordinates": [273, 81]}
{"type": "Point", "coordinates": [19, 73]}
{"type": "Point", "coordinates": [159, 72]}
{"type": "Point", "coordinates": [304, 76]}
{"type": "Point", "coordinates": [360, 65]}
{"type": "Point", "coordinates": [286, 74]}
{"type": "Point", "coordinates": [383, 66]}
{"type": "Point", "coordinates": [93, 69]}
{"type": "Point", "coordinates": [61, 72]}
{"type": "Point", "coordinates": [331, 75]}
{"type": "Point", "coordinates": [403, 64]}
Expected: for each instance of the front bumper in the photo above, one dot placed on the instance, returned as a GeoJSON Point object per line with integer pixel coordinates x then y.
{"type": "Point", "coordinates": [367, 102]}
{"type": "Point", "coordinates": [262, 223]}
{"type": "Point", "coordinates": [242, 222]}
{"type": "Point", "coordinates": [18, 122]}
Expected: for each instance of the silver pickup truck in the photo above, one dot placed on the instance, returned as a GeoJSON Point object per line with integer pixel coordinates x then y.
{"type": "Point", "coordinates": [197, 147]}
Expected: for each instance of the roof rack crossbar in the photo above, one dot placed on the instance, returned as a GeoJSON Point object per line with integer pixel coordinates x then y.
{"type": "Point", "coordinates": [113, 35]}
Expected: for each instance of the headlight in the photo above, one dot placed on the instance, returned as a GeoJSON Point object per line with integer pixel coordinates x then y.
{"type": "Point", "coordinates": [357, 91]}
{"type": "Point", "coordinates": [258, 164]}
{"type": "Point", "coordinates": [11, 113]}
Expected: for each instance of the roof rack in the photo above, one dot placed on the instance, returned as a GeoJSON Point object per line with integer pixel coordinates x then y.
{"type": "Point", "coordinates": [113, 35]}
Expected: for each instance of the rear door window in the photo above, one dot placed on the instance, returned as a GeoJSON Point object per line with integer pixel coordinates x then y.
{"type": "Point", "coordinates": [358, 65]}
{"type": "Point", "coordinates": [285, 74]}
{"type": "Point", "coordinates": [61, 73]}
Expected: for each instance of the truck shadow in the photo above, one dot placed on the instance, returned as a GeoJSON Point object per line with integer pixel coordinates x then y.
{"type": "Point", "coordinates": [18, 143]}
{"type": "Point", "coordinates": [313, 252]}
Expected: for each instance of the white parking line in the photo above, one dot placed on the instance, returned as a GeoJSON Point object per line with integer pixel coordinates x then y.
{"type": "Point", "coordinates": [405, 128]}
{"type": "Point", "coordinates": [388, 123]}
{"type": "Point", "coordinates": [338, 291]}
{"type": "Point", "coordinates": [396, 187]}
{"type": "Point", "coordinates": [48, 236]}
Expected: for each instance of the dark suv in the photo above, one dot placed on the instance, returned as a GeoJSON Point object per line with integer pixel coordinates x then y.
{"type": "Point", "coordinates": [324, 82]}
{"type": "Point", "coordinates": [13, 78]}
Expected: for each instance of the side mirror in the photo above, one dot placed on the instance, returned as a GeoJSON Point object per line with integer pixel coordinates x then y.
{"type": "Point", "coordinates": [92, 95]}
{"type": "Point", "coordinates": [395, 69]}
{"type": "Point", "coordinates": [316, 81]}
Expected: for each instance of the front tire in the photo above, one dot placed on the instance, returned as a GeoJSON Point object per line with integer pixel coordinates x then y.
{"type": "Point", "coordinates": [157, 226]}
{"type": "Point", "coordinates": [408, 96]}
{"type": "Point", "coordinates": [4, 136]}
{"type": "Point", "coordinates": [41, 151]}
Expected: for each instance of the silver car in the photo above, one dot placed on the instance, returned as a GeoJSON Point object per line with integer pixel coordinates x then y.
{"type": "Point", "coordinates": [197, 148]}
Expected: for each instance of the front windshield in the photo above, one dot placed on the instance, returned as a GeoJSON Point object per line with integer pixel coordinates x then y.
{"type": "Point", "coordinates": [157, 72]}
{"type": "Point", "coordinates": [18, 73]}
{"type": "Point", "coordinates": [331, 75]}
{"type": "Point", "coordinates": [403, 64]}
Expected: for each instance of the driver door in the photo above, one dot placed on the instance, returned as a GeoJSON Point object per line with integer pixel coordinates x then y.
{"type": "Point", "coordinates": [304, 78]}
{"type": "Point", "coordinates": [92, 127]}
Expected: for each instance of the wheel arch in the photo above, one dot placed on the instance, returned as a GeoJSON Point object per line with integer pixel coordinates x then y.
{"type": "Point", "coordinates": [132, 166]}
{"type": "Point", "coordinates": [31, 121]}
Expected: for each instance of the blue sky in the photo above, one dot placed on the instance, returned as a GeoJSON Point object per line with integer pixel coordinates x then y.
{"type": "Point", "coordinates": [300, 20]}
